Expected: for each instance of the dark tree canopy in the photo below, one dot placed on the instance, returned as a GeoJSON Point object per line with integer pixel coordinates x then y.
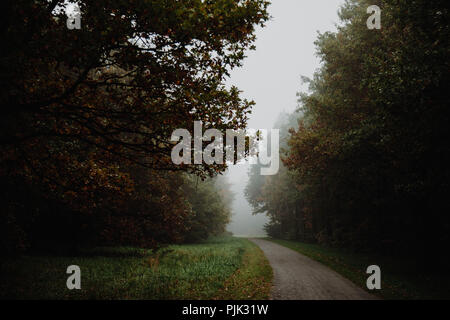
{"type": "Point", "coordinates": [88, 113]}
{"type": "Point", "coordinates": [133, 73]}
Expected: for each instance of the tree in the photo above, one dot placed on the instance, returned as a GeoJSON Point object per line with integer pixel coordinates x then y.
{"type": "Point", "coordinates": [279, 196]}
{"type": "Point", "coordinates": [83, 108]}
{"type": "Point", "coordinates": [371, 146]}
{"type": "Point", "coordinates": [210, 201]}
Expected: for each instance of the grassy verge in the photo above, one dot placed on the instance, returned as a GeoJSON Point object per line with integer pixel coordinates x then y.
{"type": "Point", "coordinates": [400, 279]}
{"type": "Point", "coordinates": [199, 271]}
{"type": "Point", "coordinates": [252, 281]}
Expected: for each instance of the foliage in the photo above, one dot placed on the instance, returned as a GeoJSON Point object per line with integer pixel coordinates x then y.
{"type": "Point", "coordinates": [211, 203]}
{"type": "Point", "coordinates": [279, 196]}
{"type": "Point", "coordinates": [89, 114]}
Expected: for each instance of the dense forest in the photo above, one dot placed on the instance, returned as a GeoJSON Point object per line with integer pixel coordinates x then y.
{"type": "Point", "coordinates": [366, 156]}
{"type": "Point", "coordinates": [88, 116]}
{"type": "Point", "coordinates": [93, 93]}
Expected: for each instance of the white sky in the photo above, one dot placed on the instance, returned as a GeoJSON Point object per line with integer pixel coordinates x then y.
{"type": "Point", "coordinates": [270, 76]}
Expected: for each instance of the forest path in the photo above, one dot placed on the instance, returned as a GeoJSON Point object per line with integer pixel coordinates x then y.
{"type": "Point", "coordinates": [297, 277]}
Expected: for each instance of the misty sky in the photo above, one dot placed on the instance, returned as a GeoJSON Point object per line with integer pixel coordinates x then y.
{"type": "Point", "coordinates": [271, 77]}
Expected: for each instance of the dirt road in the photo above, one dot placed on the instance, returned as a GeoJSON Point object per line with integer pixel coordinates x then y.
{"type": "Point", "coordinates": [297, 277]}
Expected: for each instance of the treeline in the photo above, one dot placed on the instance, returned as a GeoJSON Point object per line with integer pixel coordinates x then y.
{"type": "Point", "coordinates": [156, 209]}
{"type": "Point", "coordinates": [88, 114]}
{"type": "Point", "coordinates": [367, 165]}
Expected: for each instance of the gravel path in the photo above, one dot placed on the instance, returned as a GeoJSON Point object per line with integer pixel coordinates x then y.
{"type": "Point", "coordinates": [297, 277]}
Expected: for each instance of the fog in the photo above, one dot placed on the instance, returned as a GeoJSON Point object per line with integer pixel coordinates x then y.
{"type": "Point", "coordinates": [271, 76]}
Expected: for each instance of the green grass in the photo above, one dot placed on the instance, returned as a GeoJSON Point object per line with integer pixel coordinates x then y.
{"type": "Point", "coordinates": [198, 271]}
{"type": "Point", "coordinates": [400, 278]}
{"type": "Point", "coordinates": [252, 281]}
